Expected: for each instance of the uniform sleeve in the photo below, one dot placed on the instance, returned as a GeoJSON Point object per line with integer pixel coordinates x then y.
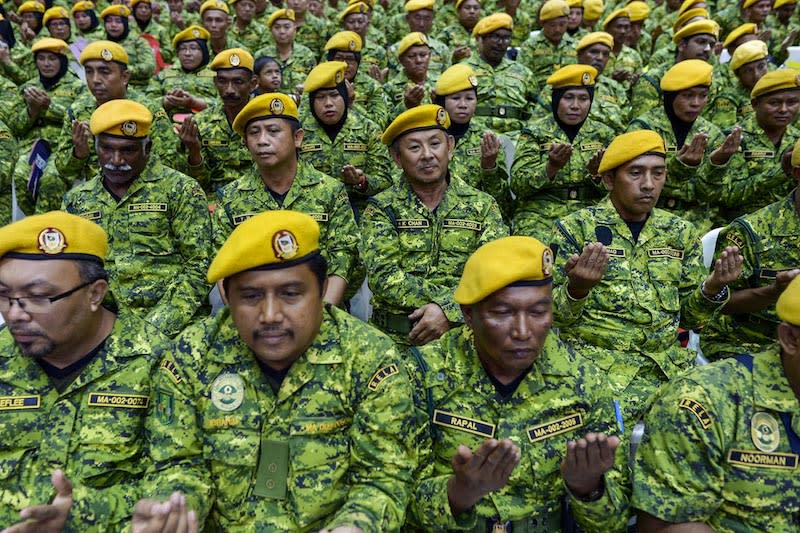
{"type": "Point", "coordinates": [734, 234]}
{"type": "Point", "coordinates": [566, 309]}
{"type": "Point", "coordinates": [68, 166]}
{"type": "Point", "coordinates": [645, 96]}
{"type": "Point", "coordinates": [494, 181]}
{"type": "Point", "coordinates": [696, 309]}
{"type": "Point", "coordinates": [378, 171]}
{"type": "Point", "coordinates": [145, 65]}
{"type": "Point", "coordinates": [528, 171]}
{"type": "Point", "coordinates": [740, 188]}
{"type": "Point", "coordinates": [341, 240]}
{"type": "Point", "coordinates": [221, 225]}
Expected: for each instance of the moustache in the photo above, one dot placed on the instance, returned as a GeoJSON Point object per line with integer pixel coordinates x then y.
{"type": "Point", "coordinates": [117, 168]}
{"type": "Point", "coordinates": [272, 331]}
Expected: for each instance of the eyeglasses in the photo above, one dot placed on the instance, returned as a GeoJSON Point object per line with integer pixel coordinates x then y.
{"type": "Point", "coordinates": [38, 304]}
{"type": "Point", "coordinates": [499, 38]}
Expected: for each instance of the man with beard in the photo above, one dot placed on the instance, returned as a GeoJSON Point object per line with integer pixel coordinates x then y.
{"type": "Point", "coordinates": [74, 382]}
{"type": "Point", "coordinates": [142, 63]}
{"type": "Point", "coordinates": [214, 152]}
{"type": "Point", "coordinates": [156, 218]}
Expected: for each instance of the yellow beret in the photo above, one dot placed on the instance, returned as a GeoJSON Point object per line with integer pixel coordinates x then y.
{"type": "Point", "coordinates": [459, 2]}
{"type": "Point", "coordinates": [118, 10]}
{"type": "Point", "coordinates": [796, 154]}
{"type": "Point", "coordinates": [575, 3]}
{"type": "Point", "coordinates": [370, 3]}
{"type": "Point", "coordinates": [423, 117]}
{"type": "Point", "coordinates": [788, 305]}
{"type": "Point", "coordinates": [629, 146]}
{"type": "Point", "coordinates": [269, 105]}
{"type": "Point", "coordinates": [417, 5]}
{"type": "Point", "coordinates": [135, 2]}
{"type": "Point", "coordinates": [346, 41]}
{"type": "Point", "coordinates": [414, 38]}
{"type": "Point", "coordinates": [687, 74]}
{"type": "Point", "coordinates": [267, 241]}
{"type": "Point", "coordinates": [192, 33]}
{"type": "Point", "coordinates": [105, 51]}
{"type": "Point", "coordinates": [596, 37]}
{"type": "Point", "coordinates": [638, 10]}
{"type": "Point", "coordinates": [686, 5]}
{"type": "Point", "coordinates": [233, 58]}
{"type": "Point", "coordinates": [123, 118]}
{"type": "Point", "coordinates": [54, 235]}
{"type": "Point", "coordinates": [777, 80]}
{"type": "Point", "coordinates": [83, 5]}
{"type": "Point", "coordinates": [219, 5]}
{"type": "Point", "coordinates": [698, 27]}
{"type": "Point", "coordinates": [56, 12]}
{"type": "Point", "coordinates": [32, 6]}
{"type": "Point", "coordinates": [748, 3]}
{"type": "Point", "coordinates": [325, 76]}
{"type": "Point", "coordinates": [287, 14]}
{"type": "Point", "coordinates": [593, 9]}
{"type": "Point", "coordinates": [683, 19]}
{"type": "Point", "coordinates": [503, 262]}
{"type": "Point", "coordinates": [622, 12]}
{"type": "Point", "coordinates": [358, 7]}
{"type": "Point", "coordinates": [553, 9]}
{"type": "Point", "coordinates": [748, 52]}
{"type": "Point", "coordinates": [492, 23]}
{"type": "Point", "coordinates": [48, 44]}
{"type": "Point", "coordinates": [744, 29]}
{"type": "Point", "coordinates": [572, 76]}
{"type": "Point", "coordinates": [781, 3]}
{"type": "Point", "coordinates": [457, 78]}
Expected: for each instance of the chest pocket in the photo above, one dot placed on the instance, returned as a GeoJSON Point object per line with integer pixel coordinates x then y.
{"type": "Point", "coordinates": [19, 416]}
{"type": "Point", "coordinates": [415, 241]}
{"type": "Point", "coordinates": [149, 229]}
{"type": "Point", "coordinates": [665, 265]}
{"type": "Point", "coordinates": [460, 235]}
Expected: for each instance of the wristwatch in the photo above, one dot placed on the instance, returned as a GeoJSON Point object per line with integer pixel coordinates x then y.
{"type": "Point", "coordinates": [719, 297]}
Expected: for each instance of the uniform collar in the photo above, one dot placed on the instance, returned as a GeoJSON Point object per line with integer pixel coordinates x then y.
{"type": "Point", "coordinates": [771, 389]}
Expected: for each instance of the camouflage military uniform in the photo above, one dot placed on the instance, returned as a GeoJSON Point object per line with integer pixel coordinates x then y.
{"type": "Point", "coordinates": [22, 66]}
{"type": "Point", "coordinates": [414, 256]}
{"type": "Point", "coordinates": [767, 239]}
{"type": "Point", "coordinates": [627, 325]}
{"type": "Point", "coordinates": [343, 417]}
{"type": "Point", "coordinates": [374, 54]}
{"type": "Point", "coordinates": [320, 196]}
{"type": "Point", "coordinates": [294, 69]}
{"type": "Point", "coordinates": [312, 33]}
{"type": "Point", "coordinates": [541, 201]}
{"type": "Point", "coordinates": [715, 425]}
{"type": "Point", "coordinates": [610, 105]}
{"type": "Point", "coordinates": [730, 107]}
{"type": "Point", "coordinates": [93, 430]}
{"type": "Point", "coordinates": [441, 56]}
{"type": "Point", "coordinates": [255, 35]}
{"type": "Point", "coordinates": [8, 155]}
{"type": "Point", "coordinates": [628, 60]}
{"type": "Point", "coordinates": [561, 389]}
{"type": "Point", "coordinates": [368, 99]}
{"type": "Point", "coordinates": [199, 83]}
{"type": "Point", "coordinates": [142, 63]}
{"type": "Point", "coordinates": [543, 57]}
{"type": "Point", "coordinates": [646, 92]}
{"type": "Point", "coordinates": [164, 39]}
{"type": "Point", "coordinates": [158, 237]}
{"type": "Point", "coordinates": [394, 93]}
{"type": "Point", "coordinates": [456, 35]}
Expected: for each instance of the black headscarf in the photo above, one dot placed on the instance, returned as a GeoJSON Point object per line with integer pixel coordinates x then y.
{"type": "Point", "coordinates": [95, 21]}
{"type": "Point", "coordinates": [49, 83]}
{"type": "Point", "coordinates": [679, 127]}
{"type": "Point", "coordinates": [125, 32]}
{"type": "Point", "coordinates": [333, 130]}
{"type": "Point", "coordinates": [7, 33]}
{"type": "Point", "coordinates": [456, 130]}
{"type": "Point", "coordinates": [203, 49]}
{"type": "Point", "coordinates": [558, 94]}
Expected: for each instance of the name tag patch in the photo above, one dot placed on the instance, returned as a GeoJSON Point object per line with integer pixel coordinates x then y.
{"type": "Point", "coordinates": [319, 217]}
{"type": "Point", "coordinates": [238, 219]}
{"type": "Point", "coordinates": [556, 427]}
{"type": "Point", "coordinates": [412, 223]}
{"type": "Point", "coordinates": [148, 207]}
{"type": "Point", "coordinates": [91, 215]}
{"type": "Point", "coordinates": [382, 375]}
{"type": "Point", "coordinates": [591, 147]}
{"type": "Point", "coordinates": [474, 151]}
{"type": "Point", "coordinates": [470, 425]}
{"type": "Point", "coordinates": [13, 403]}
{"type": "Point", "coordinates": [455, 223]}
{"type": "Point", "coordinates": [355, 147]}
{"type": "Point", "coordinates": [735, 239]}
{"type": "Point", "coordinates": [618, 252]}
{"type": "Point", "coordinates": [326, 426]}
{"type": "Point", "coordinates": [758, 154]}
{"type": "Point", "coordinates": [665, 252]}
{"type": "Point", "coordinates": [130, 401]}
{"type": "Point", "coordinates": [310, 148]}
{"type": "Point", "coordinates": [747, 458]}
{"type": "Point", "coordinates": [697, 410]}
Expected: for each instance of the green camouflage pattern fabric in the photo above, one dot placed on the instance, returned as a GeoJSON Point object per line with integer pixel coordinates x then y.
{"type": "Point", "coordinates": [731, 106]}
{"type": "Point", "coordinates": [255, 36]}
{"type": "Point", "coordinates": [646, 92]}
{"type": "Point", "coordinates": [702, 458]}
{"type": "Point", "coordinates": [164, 39]}
{"type": "Point", "coordinates": [756, 178]}
{"type": "Point", "coordinates": [312, 33]}
{"type": "Point", "coordinates": [22, 66]}
{"type": "Point", "coordinates": [543, 57]}
{"type": "Point", "coordinates": [230, 42]}
{"type": "Point", "coordinates": [368, 99]}
{"type": "Point", "coordinates": [689, 192]}
{"type": "Point", "coordinates": [414, 256]}
{"type": "Point", "coordinates": [93, 430]}
{"type": "Point", "coordinates": [158, 237]}
{"type": "Point", "coordinates": [441, 58]}
{"type": "Point", "coordinates": [316, 194]}
{"type": "Point", "coordinates": [295, 69]}
{"type": "Point", "coordinates": [454, 34]}
{"type": "Point", "coordinates": [141, 62]}
{"type": "Point", "coordinates": [628, 323]}
{"type": "Point", "coordinates": [8, 156]}
{"type": "Point", "coordinates": [394, 94]}
{"type": "Point", "coordinates": [344, 410]}
{"type": "Point", "coordinates": [628, 60]}
{"type": "Point", "coordinates": [767, 240]}
{"type": "Point", "coordinates": [199, 83]}
{"type": "Point", "coordinates": [541, 201]}
{"type": "Point", "coordinates": [374, 54]}
{"type": "Point", "coordinates": [561, 388]}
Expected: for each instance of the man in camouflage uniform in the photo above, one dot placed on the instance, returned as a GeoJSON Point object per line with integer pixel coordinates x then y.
{"type": "Point", "coordinates": [355, 18]}
{"type": "Point", "coordinates": [282, 413]}
{"type": "Point", "coordinates": [273, 134]}
{"type": "Point", "coordinates": [311, 30]}
{"type": "Point", "coordinates": [418, 234]}
{"type": "Point", "coordinates": [625, 63]}
{"type": "Point", "coordinates": [419, 16]}
{"type": "Point", "coordinates": [507, 398]}
{"type": "Point", "coordinates": [296, 60]}
{"type": "Point", "coordinates": [142, 63]}
{"type": "Point", "coordinates": [215, 17]}
{"type": "Point", "coordinates": [245, 28]}
{"type": "Point", "coordinates": [610, 96]}
{"type": "Point", "coordinates": [628, 275]}
{"type": "Point", "coordinates": [413, 84]}
{"type": "Point", "coordinates": [75, 380]}
{"type": "Point", "coordinates": [749, 63]}
{"type": "Point", "coordinates": [347, 46]}
{"type": "Point", "coordinates": [157, 220]}
{"type": "Point", "coordinates": [732, 453]}
{"type": "Point", "coordinates": [8, 156]}
{"type": "Point", "coordinates": [552, 48]}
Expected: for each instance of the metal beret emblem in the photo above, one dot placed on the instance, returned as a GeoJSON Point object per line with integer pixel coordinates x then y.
{"type": "Point", "coordinates": [473, 80]}
{"type": "Point", "coordinates": [106, 54]}
{"type": "Point", "coordinates": [441, 116]}
{"type": "Point", "coordinates": [351, 45]}
{"type": "Point", "coordinates": [129, 128]}
{"type": "Point", "coordinates": [284, 244]}
{"type": "Point", "coordinates": [195, 33]}
{"type": "Point", "coordinates": [234, 60]}
{"type": "Point", "coordinates": [339, 77]}
{"type": "Point", "coordinates": [586, 79]}
{"type": "Point", "coordinates": [547, 262]}
{"type": "Point", "coordinates": [52, 241]}
{"type": "Point", "coordinates": [276, 106]}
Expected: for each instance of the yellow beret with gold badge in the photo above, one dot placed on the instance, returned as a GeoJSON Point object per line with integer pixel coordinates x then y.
{"type": "Point", "coordinates": [508, 261]}
{"type": "Point", "coordinates": [345, 41]}
{"type": "Point", "coordinates": [687, 74]}
{"type": "Point", "coordinates": [417, 5]}
{"type": "Point", "coordinates": [796, 154]}
{"type": "Point", "coordinates": [56, 12]}
{"type": "Point", "coordinates": [748, 52]}
{"type": "Point", "coordinates": [83, 5]}
{"type": "Point", "coordinates": [423, 117]}
{"type": "Point", "coordinates": [326, 75]}
{"type": "Point", "coordinates": [777, 80]}
{"type": "Point", "coordinates": [135, 2]}
{"type": "Point", "coordinates": [593, 9]}
{"type": "Point", "coordinates": [119, 10]}
{"type": "Point", "coordinates": [31, 6]}
{"type": "Point", "coordinates": [744, 29]}
{"type": "Point", "coordinates": [457, 78]}
{"type": "Point", "coordinates": [219, 5]}
{"type": "Point", "coordinates": [121, 118]}
{"type": "Point", "coordinates": [617, 13]}
{"type": "Point", "coordinates": [553, 9]}
{"type": "Point", "coordinates": [358, 7]}
{"type": "Point", "coordinates": [572, 76]}
{"type": "Point", "coordinates": [104, 51]}
{"type": "Point", "coordinates": [492, 23]}
{"type": "Point", "coordinates": [698, 27]}
{"type": "Point", "coordinates": [629, 146]}
{"type": "Point", "coordinates": [414, 38]}
{"type": "Point", "coordinates": [48, 44]}
{"type": "Point", "coordinates": [596, 37]}
{"type": "Point", "coordinates": [192, 33]}
{"type": "Point", "coordinates": [269, 105]}
{"type": "Point", "coordinates": [788, 306]}
{"type": "Point", "coordinates": [267, 241]}
{"type": "Point", "coordinates": [287, 14]}
{"type": "Point", "coordinates": [780, 3]}
{"type": "Point", "coordinates": [232, 58]}
{"type": "Point", "coordinates": [638, 10]}
{"type": "Point", "coordinates": [54, 235]}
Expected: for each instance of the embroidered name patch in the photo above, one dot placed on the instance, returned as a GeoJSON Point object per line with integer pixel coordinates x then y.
{"type": "Point", "coordinates": [238, 219]}
{"type": "Point", "coordinates": [758, 154]}
{"type": "Point", "coordinates": [455, 223]}
{"type": "Point", "coordinates": [697, 410]}
{"type": "Point", "coordinates": [224, 422]}
{"type": "Point", "coordinates": [781, 461]}
{"type": "Point", "coordinates": [474, 151]}
{"type": "Point", "coordinates": [591, 147]}
{"type": "Point", "coordinates": [13, 403]}
{"type": "Point", "coordinates": [131, 401]}
{"type": "Point", "coordinates": [310, 148]}
{"type": "Point", "coordinates": [327, 426]}
{"type": "Point", "coordinates": [382, 375]}
{"type": "Point", "coordinates": [619, 252]}
{"type": "Point", "coordinates": [91, 215]}
{"type": "Point", "coordinates": [470, 425]}
{"type": "Point", "coordinates": [319, 217]}
{"type": "Point", "coordinates": [169, 367]}
{"type": "Point", "coordinates": [665, 252]}
{"type": "Point", "coordinates": [735, 239]}
{"type": "Point", "coordinates": [148, 207]}
{"type": "Point", "coordinates": [355, 147]}
{"type": "Point", "coordinates": [555, 427]}
{"type": "Point", "coordinates": [412, 223]}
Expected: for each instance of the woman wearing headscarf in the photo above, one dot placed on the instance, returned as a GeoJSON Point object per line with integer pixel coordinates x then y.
{"type": "Point", "coordinates": [16, 61]}
{"type": "Point", "coordinates": [690, 140]}
{"type": "Point", "coordinates": [142, 62]}
{"type": "Point", "coordinates": [86, 22]}
{"type": "Point", "coordinates": [551, 174]}
{"type": "Point", "coordinates": [151, 30]}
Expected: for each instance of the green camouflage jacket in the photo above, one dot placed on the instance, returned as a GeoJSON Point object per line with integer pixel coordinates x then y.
{"type": "Point", "coordinates": [8, 158]}
{"type": "Point", "coordinates": [295, 69]}
{"type": "Point", "coordinates": [543, 58]}
{"type": "Point", "coordinates": [141, 61]}
{"type": "Point", "coordinates": [199, 83]}
{"type": "Point", "coordinates": [254, 37]}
